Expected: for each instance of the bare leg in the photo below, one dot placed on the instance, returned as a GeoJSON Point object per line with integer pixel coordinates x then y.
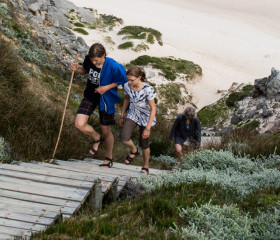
{"type": "Point", "coordinates": [188, 149]}
{"type": "Point", "coordinates": [81, 123]}
{"type": "Point", "coordinates": [109, 141]}
{"type": "Point", "coordinates": [179, 152]}
{"type": "Point", "coordinates": [132, 147]}
{"type": "Point", "coordinates": [146, 157]}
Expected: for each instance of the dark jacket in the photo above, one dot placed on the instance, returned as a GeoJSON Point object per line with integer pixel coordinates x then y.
{"type": "Point", "coordinates": [111, 72]}
{"type": "Point", "coordinates": [179, 129]}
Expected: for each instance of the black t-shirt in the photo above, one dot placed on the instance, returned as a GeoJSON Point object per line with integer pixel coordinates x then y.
{"type": "Point", "coordinates": [92, 81]}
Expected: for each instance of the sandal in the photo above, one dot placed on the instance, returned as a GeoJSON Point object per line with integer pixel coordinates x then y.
{"type": "Point", "coordinates": [94, 150]}
{"type": "Point", "coordinates": [145, 169]}
{"type": "Point", "coordinates": [109, 164]}
{"type": "Point", "coordinates": [130, 159]}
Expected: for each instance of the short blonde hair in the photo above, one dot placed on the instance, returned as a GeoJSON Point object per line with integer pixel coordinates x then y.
{"type": "Point", "coordinates": [190, 112]}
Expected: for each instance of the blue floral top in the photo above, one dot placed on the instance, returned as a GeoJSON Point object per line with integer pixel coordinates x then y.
{"type": "Point", "coordinates": [139, 109]}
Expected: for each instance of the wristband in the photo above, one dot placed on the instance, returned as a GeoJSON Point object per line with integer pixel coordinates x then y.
{"type": "Point", "coordinates": [147, 129]}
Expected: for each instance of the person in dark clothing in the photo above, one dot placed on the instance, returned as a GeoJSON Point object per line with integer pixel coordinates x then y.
{"type": "Point", "coordinates": [104, 75]}
{"type": "Point", "coordinates": [186, 130]}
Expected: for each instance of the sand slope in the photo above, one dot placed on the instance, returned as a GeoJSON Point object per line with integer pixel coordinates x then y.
{"type": "Point", "coordinates": [233, 41]}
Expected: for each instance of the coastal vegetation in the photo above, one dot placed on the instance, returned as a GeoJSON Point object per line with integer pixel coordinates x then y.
{"type": "Point", "coordinates": [170, 67]}
{"type": "Point", "coordinates": [139, 32]}
{"type": "Point", "coordinates": [126, 45]}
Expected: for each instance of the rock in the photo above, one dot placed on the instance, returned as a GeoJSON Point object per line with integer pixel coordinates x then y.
{"type": "Point", "coordinates": [240, 111]}
{"type": "Point", "coordinates": [233, 87]}
{"type": "Point", "coordinates": [261, 105]}
{"type": "Point", "coordinates": [273, 84]}
{"type": "Point", "coordinates": [57, 18]}
{"type": "Point", "coordinates": [35, 7]}
{"type": "Point", "coordinates": [86, 16]}
{"type": "Point", "coordinates": [82, 42]}
{"type": "Point", "coordinates": [235, 119]}
{"type": "Point", "coordinates": [276, 105]}
{"type": "Point", "coordinates": [251, 113]}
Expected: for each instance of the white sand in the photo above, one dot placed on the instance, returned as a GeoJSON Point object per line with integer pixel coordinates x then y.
{"type": "Point", "coordinates": [233, 41]}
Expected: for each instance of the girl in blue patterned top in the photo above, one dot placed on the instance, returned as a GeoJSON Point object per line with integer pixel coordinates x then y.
{"type": "Point", "coordinates": [139, 99]}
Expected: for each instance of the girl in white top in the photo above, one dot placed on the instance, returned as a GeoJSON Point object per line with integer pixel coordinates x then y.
{"type": "Point", "coordinates": [139, 99]}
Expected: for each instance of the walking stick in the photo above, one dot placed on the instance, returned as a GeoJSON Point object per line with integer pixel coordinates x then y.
{"type": "Point", "coordinates": [69, 89]}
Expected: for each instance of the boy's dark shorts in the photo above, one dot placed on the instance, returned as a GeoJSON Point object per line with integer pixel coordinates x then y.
{"type": "Point", "coordinates": [87, 107]}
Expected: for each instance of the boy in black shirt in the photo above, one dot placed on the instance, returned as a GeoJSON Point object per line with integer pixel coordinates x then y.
{"type": "Point", "coordinates": [104, 75]}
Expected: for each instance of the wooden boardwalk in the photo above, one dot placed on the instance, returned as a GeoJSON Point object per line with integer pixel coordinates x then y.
{"type": "Point", "coordinates": [36, 195]}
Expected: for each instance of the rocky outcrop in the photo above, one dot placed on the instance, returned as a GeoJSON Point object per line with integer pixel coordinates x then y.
{"type": "Point", "coordinates": [262, 104]}
{"type": "Point", "coordinates": [50, 20]}
{"type": "Point", "coordinates": [268, 86]}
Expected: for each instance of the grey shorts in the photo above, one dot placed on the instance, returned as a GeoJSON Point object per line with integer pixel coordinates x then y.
{"type": "Point", "coordinates": [127, 130]}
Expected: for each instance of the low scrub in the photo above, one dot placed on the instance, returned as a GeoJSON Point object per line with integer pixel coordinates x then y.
{"type": "Point", "coordinates": [138, 32]}
{"type": "Point", "coordinates": [125, 45]}
{"type": "Point", "coordinates": [169, 66]}
{"type": "Point", "coordinates": [239, 95]}
{"type": "Point", "coordinates": [81, 30]}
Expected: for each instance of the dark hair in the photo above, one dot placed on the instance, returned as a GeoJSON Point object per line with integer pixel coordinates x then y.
{"type": "Point", "coordinates": [136, 72]}
{"type": "Point", "coordinates": [190, 113]}
{"type": "Point", "coordinates": [96, 50]}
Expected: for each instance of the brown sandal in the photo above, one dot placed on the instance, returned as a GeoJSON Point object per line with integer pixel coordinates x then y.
{"type": "Point", "coordinates": [95, 151]}
{"type": "Point", "coordinates": [130, 159]}
{"type": "Point", "coordinates": [145, 169]}
{"type": "Point", "coordinates": [109, 164]}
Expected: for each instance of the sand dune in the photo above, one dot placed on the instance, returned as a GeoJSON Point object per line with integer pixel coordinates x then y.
{"type": "Point", "coordinates": [233, 41]}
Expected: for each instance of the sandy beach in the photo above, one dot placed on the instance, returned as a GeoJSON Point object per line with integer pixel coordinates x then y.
{"type": "Point", "coordinates": [233, 41]}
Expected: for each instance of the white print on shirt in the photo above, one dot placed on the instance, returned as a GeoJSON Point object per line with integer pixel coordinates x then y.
{"type": "Point", "coordinates": [93, 76]}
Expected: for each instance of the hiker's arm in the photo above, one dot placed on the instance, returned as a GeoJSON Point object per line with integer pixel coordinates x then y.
{"type": "Point", "coordinates": [146, 132]}
{"type": "Point", "coordinates": [77, 68]}
{"type": "Point", "coordinates": [124, 107]}
{"type": "Point", "coordinates": [103, 89]}
{"type": "Point", "coordinates": [172, 132]}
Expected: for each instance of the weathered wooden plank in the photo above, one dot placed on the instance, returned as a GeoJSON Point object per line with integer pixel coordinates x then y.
{"type": "Point", "coordinates": [100, 175]}
{"type": "Point", "coordinates": [94, 168]}
{"type": "Point", "coordinates": [56, 172]}
{"type": "Point", "coordinates": [6, 236]}
{"type": "Point", "coordinates": [10, 214]}
{"type": "Point", "coordinates": [46, 179]}
{"type": "Point", "coordinates": [24, 234]}
{"type": "Point", "coordinates": [29, 211]}
{"type": "Point", "coordinates": [43, 189]}
{"type": "Point", "coordinates": [38, 199]}
{"type": "Point", "coordinates": [33, 227]}
{"type": "Point", "coordinates": [38, 206]}
{"type": "Point", "coordinates": [152, 171]}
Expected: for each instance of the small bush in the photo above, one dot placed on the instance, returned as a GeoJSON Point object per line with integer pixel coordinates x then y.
{"type": "Point", "coordinates": [80, 30]}
{"type": "Point", "coordinates": [78, 24]}
{"type": "Point", "coordinates": [141, 47]}
{"type": "Point", "coordinates": [169, 66]}
{"type": "Point", "coordinates": [125, 45]}
{"type": "Point", "coordinates": [238, 96]}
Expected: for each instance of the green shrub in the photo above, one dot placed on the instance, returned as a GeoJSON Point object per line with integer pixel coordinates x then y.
{"type": "Point", "coordinates": [78, 24]}
{"type": "Point", "coordinates": [125, 45]}
{"type": "Point", "coordinates": [141, 47]}
{"type": "Point", "coordinates": [238, 96]}
{"type": "Point", "coordinates": [80, 30]}
{"type": "Point", "coordinates": [150, 39]}
{"type": "Point", "coordinates": [136, 31]}
{"type": "Point", "coordinates": [169, 66]}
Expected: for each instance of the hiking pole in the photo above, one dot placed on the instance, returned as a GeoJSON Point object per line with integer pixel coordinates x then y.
{"type": "Point", "coordinates": [62, 120]}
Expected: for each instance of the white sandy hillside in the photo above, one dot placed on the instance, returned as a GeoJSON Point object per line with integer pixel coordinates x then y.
{"type": "Point", "coordinates": [233, 41]}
